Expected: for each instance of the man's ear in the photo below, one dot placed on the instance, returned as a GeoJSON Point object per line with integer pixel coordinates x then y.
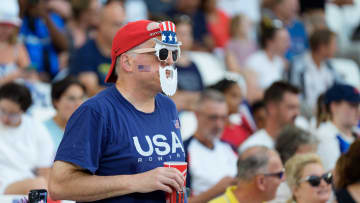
{"type": "Point", "coordinates": [260, 182]}
{"type": "Point", "coordinates": [125, 62]}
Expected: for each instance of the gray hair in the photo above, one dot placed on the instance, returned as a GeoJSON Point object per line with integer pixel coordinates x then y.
{"type": "Point", "coordinates": [290, 139]}
{"type": "Point", "coordinates": [212, 95]}
{"type": "Point", "coordinates": [252, 162]}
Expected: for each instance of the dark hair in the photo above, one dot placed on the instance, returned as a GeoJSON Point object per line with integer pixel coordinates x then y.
{"type": "Point", "coordinates": [320, 37]}
{"type": "Point", "coordinates": [223, 85]}
{"type": "Point", "coordinates": [290, 139]}
{"type": "Point", "coordinates": [268, 29]}
{"type": "Point", "coordinates": [79, 6]}
{"type": "Point", "coordinates": [59, 88]}
{"type": "Point", "coordinates": [322, 110]}
{"type": "Point", "coordinates": [276, 91]}
{"type": "Point", "coordinates": [17, 93]}
{"type": "Point", "coordinates": [257, 105]}
{"type": "Point", "coordinates": [348, 167]}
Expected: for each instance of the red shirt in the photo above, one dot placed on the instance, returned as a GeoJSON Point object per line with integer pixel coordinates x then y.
{"type": "Point", "coordinates": [219, 30]}
{"type": "Point", "coordinates": [235, 134]}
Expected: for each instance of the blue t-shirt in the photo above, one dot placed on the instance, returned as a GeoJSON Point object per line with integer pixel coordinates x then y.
{"type": "Point", "coordinates": [298, 39]}
{"type": "Point", "coordinates": [89, 58]}
{"type": "Point", "coordinates": [189, 78]}
{"type": "Point", "coordinates": [108, 136]}
{"type": "Point", "coordinates": [36, 38]}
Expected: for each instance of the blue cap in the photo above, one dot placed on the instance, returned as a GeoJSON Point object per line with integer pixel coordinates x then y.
{"type": "Point", "coordinates": [342, 92]}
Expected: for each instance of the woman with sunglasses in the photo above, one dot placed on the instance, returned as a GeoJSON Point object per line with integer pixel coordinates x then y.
{"type": "Point", "coordinates": [307, 179]}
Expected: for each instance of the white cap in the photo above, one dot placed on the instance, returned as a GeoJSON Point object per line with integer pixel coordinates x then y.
{"type": "Point", "coordinates": [9, 12]}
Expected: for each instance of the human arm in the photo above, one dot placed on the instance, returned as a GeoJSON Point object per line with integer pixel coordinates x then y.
{"type": "Point", "coordinates": [58, 38]}
{"type": "Point", "coordinates": [68, 181]}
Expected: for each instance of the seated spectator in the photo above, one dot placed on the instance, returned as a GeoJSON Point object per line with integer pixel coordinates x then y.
{"type": "Point", "coordinates": [282, 107]}
{"type": "Point", "coordinates": [92, 61]}
{"type": "Point", "coordinates": [240, 45]}
{"type": "Point", "coordinates": [268, 63]}
{"type": "Point", "coordinates": [308, 180]}
{"type": "Point", "coordinates": [287, 11]}
{"type": "Point", "coordinates": [292, 140]}
{"type": "Point", "coordinates": [260, 172]}
{"type": "Point", "coordinates": [66, 95]}
{"type": "Point", "coordinates": [202, 38]}
{"type": "Point", "coordinates": [211, 163]}
{"type": "Point", "coordinates": [26, 147]}
{"type": "Point", "coordinates": [13, 55]}
{"type": "Point", "coordinates": [336, 135]}
{"type": "Point", "coordinates": [85, 16]}
{"type": "Point", "coordinates": [190, 83]}
{"type": "Point", "coordinates": [234, 133]}
{"type": "Point", "coordinates": [312, 72]}
{"type": "Point", "coordinates": [259, 114]}
{"type": "Point", "coordinates": [44, 37]}
{"type": "Point", "coordinates": [347, 178]}
{"type": "Point", "coordinates": [217, 22]}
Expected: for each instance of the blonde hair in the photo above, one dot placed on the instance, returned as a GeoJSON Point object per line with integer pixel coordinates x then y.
{"type": "Point", "coordinates": [294, 168]}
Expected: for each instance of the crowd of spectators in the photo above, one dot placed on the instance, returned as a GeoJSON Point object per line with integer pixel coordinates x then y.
{"type": "Point", "coordinates": [262, 84]}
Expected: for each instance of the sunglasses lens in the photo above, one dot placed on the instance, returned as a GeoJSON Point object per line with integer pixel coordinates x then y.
{"type": "Point", "coordinates": [314, 181]}
{"type": "Point", "coordinates": [163, 54]}
{"type": "Point", "coordinates": [175, 55]}
{"type": "Point", "coordinates": [328, 178]}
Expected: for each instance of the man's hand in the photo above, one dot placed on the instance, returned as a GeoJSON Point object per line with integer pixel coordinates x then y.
{"type": "Point", "coordinates": [159, 179]}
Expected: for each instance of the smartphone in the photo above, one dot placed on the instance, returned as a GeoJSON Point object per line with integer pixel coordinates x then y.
{"type": "Point", "coordinates": [38, 196]}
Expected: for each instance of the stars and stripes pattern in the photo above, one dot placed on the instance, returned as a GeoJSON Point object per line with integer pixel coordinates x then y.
{"type": "Point", "coordinates": [168, 32]}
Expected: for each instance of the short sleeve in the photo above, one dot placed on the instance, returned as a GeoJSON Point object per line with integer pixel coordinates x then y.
{"type": "Point", "coordinates": [82, 140]}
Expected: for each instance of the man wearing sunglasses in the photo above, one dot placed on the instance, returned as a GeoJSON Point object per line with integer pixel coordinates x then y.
{"type": "Point", "coordinates": [116, 142]}
{"type": "Point", "coordinates": [260, 172]}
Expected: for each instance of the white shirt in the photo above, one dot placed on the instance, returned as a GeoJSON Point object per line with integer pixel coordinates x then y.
{"type": "Point", "coordinates": [251, 9]}
{"type": "Point", "coordinates": [317, 80]}
{"type": "Point", "coordinates": [329, 148]}
{"type": "Point", "coordinates": [23, 149]}
{"type": "Point", "coordinates": [209, 166]}
{"type": "Point", "coordinates": [268, 71]}
{"type": "Point", "coordinates": [283, 193]}
{"type": "Point", "coordinates": [260, 138]}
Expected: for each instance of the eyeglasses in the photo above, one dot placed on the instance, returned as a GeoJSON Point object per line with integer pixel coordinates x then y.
{"type": "Point", "coordinates": [13, 117]}
{"type": "Point", "coordinates": [316, 180]}
{"type": "Point", "coordinates": [279, 174]}
{"type": "Point", "coordinates": [214, 117]}
{"type": "Point", "coordinates": [162, 54]}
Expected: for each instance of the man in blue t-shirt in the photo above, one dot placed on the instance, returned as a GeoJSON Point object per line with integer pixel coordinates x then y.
{"type": "Point", "coordinates": [116, 143]}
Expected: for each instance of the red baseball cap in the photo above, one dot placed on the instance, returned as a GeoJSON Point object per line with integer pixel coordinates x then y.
{"type": "Point", "coordinates": [128, 37]}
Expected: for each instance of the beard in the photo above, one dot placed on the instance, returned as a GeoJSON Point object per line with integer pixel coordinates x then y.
{"type": "Point", "coordinates": [168, 79]}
